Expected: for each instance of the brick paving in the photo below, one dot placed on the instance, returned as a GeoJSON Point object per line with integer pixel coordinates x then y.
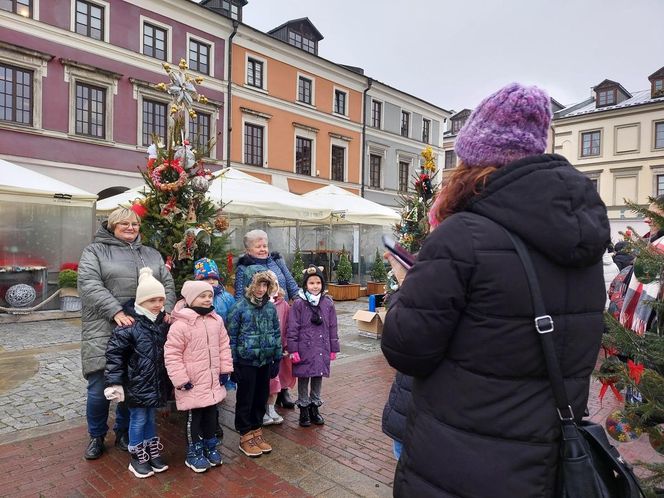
{"type": "Point", "coordinates": [42, 434]}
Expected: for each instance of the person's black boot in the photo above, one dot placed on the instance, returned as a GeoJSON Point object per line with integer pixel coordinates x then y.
{"type": "Point", "coordinates": [315, 416]}
{"type": "Point", "coordinates": [140, 462]}
{"type": "Point", "coordinates": [122, 439]}
{"type": "Point", "coordinates": [305, 421]}
{"type": "Point", "coordinates": [284, 400]}
{"type": "Point", "coordinates": [95, 448]}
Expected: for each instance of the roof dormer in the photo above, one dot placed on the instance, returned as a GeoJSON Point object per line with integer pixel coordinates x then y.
{"type": "Point", "coordinates": [228, 8]}
{"type": "Point", "coordinates": [609, 93]}
{"type": "Point", "coordinates": [458, 120]}
{"type": "Point", "coordinates": [300, 33]}
{"type": "Point", "coordinates": [657, 83]}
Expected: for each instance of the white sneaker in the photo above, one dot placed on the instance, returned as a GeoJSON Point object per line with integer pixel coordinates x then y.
{"type": "Point", "coordinates": [276, 418]}
{"type": "Point", "coordinates": [267, 420]}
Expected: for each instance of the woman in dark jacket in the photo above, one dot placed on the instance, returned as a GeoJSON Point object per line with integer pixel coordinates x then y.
{"type": "Point", "coordinates": [483, 421]}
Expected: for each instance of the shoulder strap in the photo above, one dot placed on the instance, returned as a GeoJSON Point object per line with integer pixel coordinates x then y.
{"type": "Point", "coordinates": [544, 326]}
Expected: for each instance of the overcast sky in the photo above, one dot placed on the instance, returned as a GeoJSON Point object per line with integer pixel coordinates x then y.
{"type": "Point", "coordinates": [453, 53]}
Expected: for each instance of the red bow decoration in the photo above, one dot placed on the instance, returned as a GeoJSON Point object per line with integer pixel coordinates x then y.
{"type": "Point", "coordinates": [606, 383]}
{"type": "Point", "coordinates": [635, 371]}
{"type": "Point", "coordinates": [139, 209]}
{"type": "Point", "coordinates": [610, 350]}
{"type": "Point", "coordinates": [229, 262]}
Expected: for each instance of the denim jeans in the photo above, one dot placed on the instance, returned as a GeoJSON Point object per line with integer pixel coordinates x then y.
{"type": "Point", "coordinates": [396, 449]}
{"type": "Point", "coordinates": [306, 397]}
{"type": "Point", "coordinates": [142, 425]}
{"type": "Point", "coordinates": [97, 408]}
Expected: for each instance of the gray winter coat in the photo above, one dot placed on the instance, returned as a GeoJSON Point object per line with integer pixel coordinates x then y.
{"type": "Point", "coordinates": [107, 278]}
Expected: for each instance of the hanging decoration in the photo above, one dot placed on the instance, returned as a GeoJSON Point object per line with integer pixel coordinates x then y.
{"type": "Point", "coordinates": [20, 295]}
{"type": "Point", "coordinates": [170, 209]}
{"type": "Point", "coordinates": [621, 427]}
{"type": "Point", "coordinates": [186, 247]}
{"type": "Point", "coordinates": [200, 184]}
{"type": "Point", "coordinates": [221, 223]}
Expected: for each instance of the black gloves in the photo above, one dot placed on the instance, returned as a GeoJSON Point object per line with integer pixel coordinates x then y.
{"type": "Point", "coordinates": [274, 369]}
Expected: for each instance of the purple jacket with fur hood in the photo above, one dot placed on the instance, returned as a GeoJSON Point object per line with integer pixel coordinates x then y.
{"type": "Point", "coordinates": [314, 343]}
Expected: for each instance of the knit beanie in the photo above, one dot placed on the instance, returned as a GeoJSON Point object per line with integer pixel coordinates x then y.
{"type": "Point", "coordinates": [194, 288]}
{"type": "Point", "coordinates": [205, 268]}
{"type": "Point", "coordinates": [313, 271]}
{"type": "Point", "coordinates": [508, 125]}
{"type": "Point", "coordinates": [148, 286]}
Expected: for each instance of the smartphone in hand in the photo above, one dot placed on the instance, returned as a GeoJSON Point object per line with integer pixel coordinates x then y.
{"type": "Point", "coordinates": [403, 256]}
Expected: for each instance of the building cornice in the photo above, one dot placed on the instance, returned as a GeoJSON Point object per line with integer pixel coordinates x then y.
{"type": "Point", "coordinates": [27, 52]}
{"type": "Point", "coordinates": [609, 113]}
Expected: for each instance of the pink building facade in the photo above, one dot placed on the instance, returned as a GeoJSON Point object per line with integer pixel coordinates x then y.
{"type": "Point", "coordinates": [76, 84]}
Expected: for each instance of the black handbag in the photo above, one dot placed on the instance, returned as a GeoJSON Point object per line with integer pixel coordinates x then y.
{"type": "Point", "coordinates": [589, 466]}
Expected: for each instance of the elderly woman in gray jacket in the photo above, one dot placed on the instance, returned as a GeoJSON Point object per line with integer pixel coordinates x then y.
{"type": "Point", "coordinates": [107, 278]}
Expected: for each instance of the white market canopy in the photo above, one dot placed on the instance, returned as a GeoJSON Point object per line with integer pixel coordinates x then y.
{"type": "Point", "coordinates": [351, 208]}
{"type": "Point", "coordinates": [246, 195]}
{"type": "Point", "coordinates": [37, 188]}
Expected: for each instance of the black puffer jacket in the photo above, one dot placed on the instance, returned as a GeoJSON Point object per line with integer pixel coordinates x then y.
{"type": "Point", "coordinates": [396, 409]}
{"type": "Point", "coordinates": [135, 360]}
{"type": "Point", "coordinates": [483, 422]}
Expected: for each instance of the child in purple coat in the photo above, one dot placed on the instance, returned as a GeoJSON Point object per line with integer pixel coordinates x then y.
{"type": "Point", "coordinates": [312, 343]}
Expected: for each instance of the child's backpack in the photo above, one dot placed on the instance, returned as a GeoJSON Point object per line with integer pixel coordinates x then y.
{"type": "Point", "coordinates": [618, 289]}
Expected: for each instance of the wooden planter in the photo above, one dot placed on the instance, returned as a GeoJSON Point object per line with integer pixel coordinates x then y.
{"type": "Point", "coordinates": [375, 288]}
{"type": "Point", "coordinates": [348, 292]}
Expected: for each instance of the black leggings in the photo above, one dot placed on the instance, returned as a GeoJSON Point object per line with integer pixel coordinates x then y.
{"type": "Point", "coordinates": [253, 389]}
{"type": "Point", "coordinates": [201, 423]}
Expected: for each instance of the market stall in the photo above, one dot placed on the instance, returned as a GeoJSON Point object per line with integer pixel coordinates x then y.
{"type": "Point", "coordinates": [44, 223]}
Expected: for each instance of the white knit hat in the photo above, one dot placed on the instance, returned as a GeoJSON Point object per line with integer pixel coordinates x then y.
{"type": "Point", "coordinates": [148, 286]}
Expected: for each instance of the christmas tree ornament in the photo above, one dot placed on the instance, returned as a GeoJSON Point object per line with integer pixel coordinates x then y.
{"type": "Point", "coordinates": [20, 295]}
{"type": "Point", "coordinates": [635, 371]}
{"type": "Point", "coordinates": [656, 438]}
{"type": "Point", "coordinates": [169, 263]}
{"type": "Point", "coordinates": [170, 209]}
{"type": "Point", "coordinates": [191, 213]}
{"type": "Point", "coordinates": [172, 168]}
{"type": "Point", "coordinates": [184, 155]}
{"type": "Point", "coordinates": [139, 208]}
{"type": "Point", "coordinates": [221, 223]}
{"type": "Point", "coordinates": [200, 184]}
{"type": "Point", "coordinates": [202, 236]}
{"type": "Point", "coordinates": [622, 427]}
{"type": "Point", "coordinates": [186, 246]}
{"type": "Point", "coordinates": [608, 375]}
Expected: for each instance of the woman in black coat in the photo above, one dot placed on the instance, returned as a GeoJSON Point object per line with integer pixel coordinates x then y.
{"type": "Point", "coordinates": [483, 421]}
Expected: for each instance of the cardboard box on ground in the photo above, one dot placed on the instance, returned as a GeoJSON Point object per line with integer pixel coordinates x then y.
{"type": "Point", "coordinates": [370, 323]}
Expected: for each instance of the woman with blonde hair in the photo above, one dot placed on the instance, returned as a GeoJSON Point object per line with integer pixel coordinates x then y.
{"type": "Point", "coordinates": [483, 420]}
{"type": "Point", "coordinates": [107, 279]}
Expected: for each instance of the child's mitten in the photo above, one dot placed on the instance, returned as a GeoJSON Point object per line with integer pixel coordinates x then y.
{"type": "Point", "coordinates": [114, 393]}
{"type": "Point", "coordinates": [296, 357]}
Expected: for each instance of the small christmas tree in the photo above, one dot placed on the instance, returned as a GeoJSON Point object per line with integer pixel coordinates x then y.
{"type": "Point", "coordinates": [413, 227]}
{"type": "Point", "coordinates": [378, 271]}
{"type": "Point", "coordinates": [344, 269]}
{"type": "Point", "coordinates": [177, 218]}
{"type": "Point", "coordinates": [643, 372]}
{"type": "Point", "coordinates": [297, 269]}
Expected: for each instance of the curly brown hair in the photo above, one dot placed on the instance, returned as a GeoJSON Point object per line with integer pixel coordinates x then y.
{"type": "Point", "coordinates": [459, 187]}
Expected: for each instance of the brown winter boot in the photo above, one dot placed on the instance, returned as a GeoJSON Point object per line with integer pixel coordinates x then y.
{"type": "Point", "coordinates": [262, 444]}
{"type": "Point", "coordinates": [248, 445]}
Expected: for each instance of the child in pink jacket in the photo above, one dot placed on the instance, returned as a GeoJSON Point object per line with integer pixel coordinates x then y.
{"type": "Point", "coordinates": [198, 360]}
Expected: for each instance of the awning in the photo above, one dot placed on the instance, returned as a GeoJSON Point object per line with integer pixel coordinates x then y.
{"type": "Point", "coordinates": [347, 207]}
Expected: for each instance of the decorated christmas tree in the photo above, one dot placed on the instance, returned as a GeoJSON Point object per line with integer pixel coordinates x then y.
{"type": "Point", "coordinates": [177, 218]}
{"type": "Point", "coordinates": [635, 355]}
{"type": "Point", "coordinates": [298, 267]}
{"type": "Point", "coordinates": [413, 227]}
{"type": "Point", "coordinates": [378, 272]}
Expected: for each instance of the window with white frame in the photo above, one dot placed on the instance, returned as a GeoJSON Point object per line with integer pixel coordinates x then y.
{"type": "Point", "coordinates": [153, 121]}
{"type": "Point", "coordinates": [305, 90]}
{"type": "Point", "coordinates": [89, 19]}
{"type": "Point", "coordinates": [591, 143]}
{"type": "Point", "coordinates": [200, 132]}
{"type": "Point", "coordinates": [426, 130]}
{"type": "Point", "coordinates": [20, 7]}
{"type": "Point", "coordinates": [303, 155]}
{"type": "Point", "coordinates": [91, 95]}
{"type": "Point", "coordinates": [155, 41]}
{"type": "Point", "coordinates": [16, 94]}
{"type": "Point", "coordinates": [338, 163]}
{"type": "Point", "coordinates": [374, 170]}
{"type": "Point", "coordinates": [659, 135]}
{"type": "Point", "coordinates": [405, 123]}
{"type": "Point", "coordinates": [403, 176]}
{"type": "Point", "coordinates": [376, 113]}
{"type": "Point", "coordinates": [340, 98]}
{"type": "Point", "coordinates": [254, 72]}
{"type": "Point", "coordinates": [253, 144]}
{"type": "Point", "coordinates": [199, 56]}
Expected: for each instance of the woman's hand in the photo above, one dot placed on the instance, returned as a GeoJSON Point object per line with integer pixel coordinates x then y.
{"type": "Point", "coordinates": [122, 319]}
{"type": "Point", "coordinates": [398, 269]}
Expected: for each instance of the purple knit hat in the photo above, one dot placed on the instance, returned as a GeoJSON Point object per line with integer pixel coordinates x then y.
{"type": "Point", "coordinates": [511, 124]}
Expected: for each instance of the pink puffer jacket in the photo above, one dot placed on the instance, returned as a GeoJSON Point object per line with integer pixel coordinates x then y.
{"type": "Point", "coordinates": [197, 350]}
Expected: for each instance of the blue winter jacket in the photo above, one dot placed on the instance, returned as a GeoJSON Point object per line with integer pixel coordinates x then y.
{"type": "Point", "coordinates": [275, 263]}
{"type": "Point", "coordinates": [223, 302]}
